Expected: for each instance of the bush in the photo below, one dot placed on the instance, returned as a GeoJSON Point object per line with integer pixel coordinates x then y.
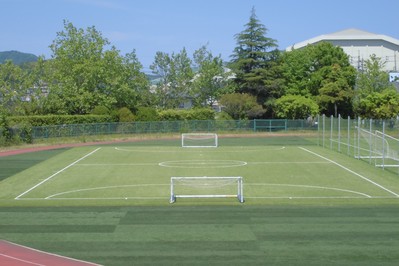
{"type": "Point", "coordinates": [147, 114]}
{"type": "Point", "coordinates": [183, 114]}
{"type": "Point", "coordinates": [100, 110]}
{"type": "Point", "coordinates": [125, 115]}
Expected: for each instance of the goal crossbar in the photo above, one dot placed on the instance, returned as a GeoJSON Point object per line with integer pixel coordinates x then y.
{"type": "Point", "coordinates": [197, 184]}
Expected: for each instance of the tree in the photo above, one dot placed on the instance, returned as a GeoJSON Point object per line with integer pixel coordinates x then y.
{"type": "Point", "coordinates": [335, 92]}
{"type": "Point", "coordinates": [11, 87]}
{"type": "Point", "coordinates": [379, 105]}
{"type": "Point", "coordinates": [322, 71]}
{"type": "Point", "coordinates": [372, 78]}
{"type": "Point", "coordinates": [241, 106]}
{"type": "Point", "coordinates": [37, 78]}
{"type": "Point", "coordinates": [175, 74]}
{"type": "Point", "coordinates": [86, 74]}
{"type": "Point", "coordinates": [296, 107]}
{"type": "Point", "coordinates": [373, 90]}
{"type": "Point", "coordinates": [253, 60]}
{"type": "Point", "coordinates": [211, 80]}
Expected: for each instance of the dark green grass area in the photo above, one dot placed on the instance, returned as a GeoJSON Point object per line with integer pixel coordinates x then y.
{"type": "Point", "coordinates": [10, 165]}
{"type": "Point", "coordinates": [210, 235]}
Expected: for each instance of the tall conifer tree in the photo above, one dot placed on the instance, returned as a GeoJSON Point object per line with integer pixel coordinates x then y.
{"type": "Point", "coordinates": [254, 61]}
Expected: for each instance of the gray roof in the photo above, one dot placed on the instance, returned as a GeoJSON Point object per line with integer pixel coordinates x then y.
{"type": "Point", "coordinates": [348, 34]}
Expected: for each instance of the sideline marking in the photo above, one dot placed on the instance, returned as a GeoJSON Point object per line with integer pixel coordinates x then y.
{"type": "Point", "coordinates": [350, 171]}
{"type": "Point", "coordinates": [60, 171]}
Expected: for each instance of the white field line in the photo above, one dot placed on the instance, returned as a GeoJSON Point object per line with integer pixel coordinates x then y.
{"type": "Point", "coordinates": [350, 171]}
{"type": "Point", "coordinates": [60, 171]}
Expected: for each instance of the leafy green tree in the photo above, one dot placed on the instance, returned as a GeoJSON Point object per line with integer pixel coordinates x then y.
{"type": "Point", "coordinates": [379, 105]}
{"type": "Point", "coordinates": [36, 82]}
{"type": "Point", "coordinates": [322, 71]}
{"type": "Point", "coordinates": [253, 61]}
{"type": "Point", "coordinates": [211, 80]}
{"type": "Point", "coordinates": [175, 73]}
{"type": "Point", "coordinates": [336, 92]}
{"type": "Point", "coordinates": [241, 106]}
{"type": "Point", "coordinates": [373, 91]}
{"type": "Point", "coordinates": [11, 87]}
{"type": "Point", "coordinates": [372, 78]}
{"type": "Point", "coordinates": [295, 107]}
{"type": "Point", "coordinates": [86, 74]}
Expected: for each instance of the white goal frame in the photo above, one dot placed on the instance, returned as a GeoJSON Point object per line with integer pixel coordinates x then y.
{"type": "Point", "coordinates": [199, 137]}
{"type": "Point", "coordinates": [205, 181]}
{"type": "Point", "coordinates": [379, 149]}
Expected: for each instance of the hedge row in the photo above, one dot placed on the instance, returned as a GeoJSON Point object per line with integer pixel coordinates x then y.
{"type": "Point", "coordinates": [183, 114]}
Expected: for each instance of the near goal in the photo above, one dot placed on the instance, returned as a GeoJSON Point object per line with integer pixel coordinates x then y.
{"type": "Point", "coordinates": [377, 146]}
{"type": "Point", "coordinates": [206, 187]}
{"type": "Point", "coordinates": [199, 140]}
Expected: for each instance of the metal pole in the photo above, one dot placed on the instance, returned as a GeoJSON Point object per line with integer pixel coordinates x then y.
{"type": "Point", "coordinates": [349, 131]}
{"type": "Point", "coordinates": [339, 133]}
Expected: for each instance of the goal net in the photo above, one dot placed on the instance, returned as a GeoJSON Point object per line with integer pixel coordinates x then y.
{"type": "Point", "coordinates": [378, 146]}
{"type": "Point", "coordinates": [206, 187]}
{"type": "Point", "coordinates": [199, 140]}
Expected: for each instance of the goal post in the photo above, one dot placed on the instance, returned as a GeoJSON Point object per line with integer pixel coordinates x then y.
{"type": "Point", "coordinates": [206, 187]}
{"type": "Point", "coordinates": [383, 149]}
{"type": "Point", "coordinates": [199, 140]}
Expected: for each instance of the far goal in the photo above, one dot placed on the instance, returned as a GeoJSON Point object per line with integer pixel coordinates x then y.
{"type": "Point", "coordinates": [199, 140]}
{"type": "Point", "coordinates": [206, 187]}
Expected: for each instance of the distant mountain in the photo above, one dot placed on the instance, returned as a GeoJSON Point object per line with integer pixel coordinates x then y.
{"type": "Point", "coordinates": [17, 58]}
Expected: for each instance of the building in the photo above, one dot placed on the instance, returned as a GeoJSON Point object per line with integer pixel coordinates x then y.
{"type": "Point", "coordinates": [360, 45]}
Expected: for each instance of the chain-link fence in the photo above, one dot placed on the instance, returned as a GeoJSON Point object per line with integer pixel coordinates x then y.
{"type": "Point", "coordinates": [159, 127]}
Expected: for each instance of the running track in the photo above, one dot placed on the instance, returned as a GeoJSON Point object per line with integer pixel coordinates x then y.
{"type": "Point", "coordinates": [12, 254]}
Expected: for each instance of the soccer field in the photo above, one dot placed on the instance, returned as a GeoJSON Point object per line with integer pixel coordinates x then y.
{"type": "Point", "coordinates": [304, 205]}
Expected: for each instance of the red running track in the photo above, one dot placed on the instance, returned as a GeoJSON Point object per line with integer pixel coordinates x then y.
{"type": "Point", "coordinates": [12, 254]}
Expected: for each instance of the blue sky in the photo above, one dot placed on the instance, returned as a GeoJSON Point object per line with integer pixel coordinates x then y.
{"type": "Point", "coordinates": [149, 26]}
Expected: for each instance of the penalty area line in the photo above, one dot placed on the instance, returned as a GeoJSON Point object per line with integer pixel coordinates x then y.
{"type": "Point", "coordinates": [50, 177]}
{"type": "Point", "coordinates": [352, 172]}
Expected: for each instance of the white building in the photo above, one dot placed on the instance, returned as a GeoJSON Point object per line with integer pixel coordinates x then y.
{"type": "Point", "coordinates": [360, 45]}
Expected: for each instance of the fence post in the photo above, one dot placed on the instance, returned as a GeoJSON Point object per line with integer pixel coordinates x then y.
{"type": "Point", "coordinates": [349, 132]}
{"type": "Point", "coordinates": [331, 130]}
{"type": "Point", "coordinates": [339, 133]}
{"type": "Point", "coordinates": [324, 127]}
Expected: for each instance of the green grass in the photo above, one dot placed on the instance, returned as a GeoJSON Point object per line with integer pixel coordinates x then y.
{"type": "Point", "coordinates": [210, 235]}
{"type": "Point", "coordinates": [304, 205]}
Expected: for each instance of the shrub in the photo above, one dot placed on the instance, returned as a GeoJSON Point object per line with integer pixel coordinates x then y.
{"type": "Point", "coordinates": [147, 114]}
{"type": "Point", "coordinates": [125, 115]}
{"type": "Point", "coordinates": [183, 114]}
{"type": "Point", "coordinates": [100, 110]}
